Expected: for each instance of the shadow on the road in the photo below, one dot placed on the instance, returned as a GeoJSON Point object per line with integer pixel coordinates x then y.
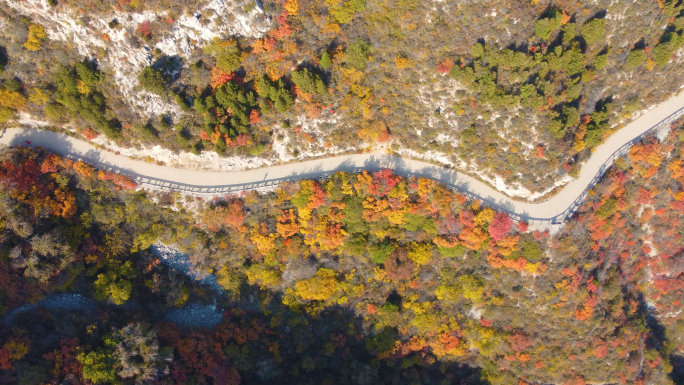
{"type": "Point", "coordinates": [60, 144]}
{"type": "Point", "coordinates": [450, 178]}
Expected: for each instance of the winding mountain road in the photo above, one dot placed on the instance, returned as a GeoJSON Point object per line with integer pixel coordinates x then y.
{"type": "Point", "coordinates": [553, 211]}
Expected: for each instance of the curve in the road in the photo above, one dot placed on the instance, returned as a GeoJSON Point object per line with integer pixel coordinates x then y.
{"type": "Point", "coordinates": [553, 211]}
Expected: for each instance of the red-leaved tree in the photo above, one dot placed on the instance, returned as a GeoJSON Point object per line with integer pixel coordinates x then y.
{"type": "Point", "coordinates": [500, 226]}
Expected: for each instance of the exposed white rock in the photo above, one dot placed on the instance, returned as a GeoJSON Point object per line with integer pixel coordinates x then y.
{"type": "Point", "coordinates": [123, 60]}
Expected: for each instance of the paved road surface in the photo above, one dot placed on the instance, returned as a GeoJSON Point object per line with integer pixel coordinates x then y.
{"type": "Point", "coordinates": [554, 210]}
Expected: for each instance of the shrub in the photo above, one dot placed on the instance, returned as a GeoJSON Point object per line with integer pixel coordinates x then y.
{"type": "Point", "coordinates": [309, 82]}
{"type": "Point", "coordinates": [570, 116]}
{"type": "Point", "coordinates": [152, 80]}
{"type": "Point", "coordinates": [588, 75]}
{"type": "Point", "coordinates": [380, 252]}
{"type": "Point", "coordinates": [608, 208]}
{"type": "Point", "coordinates": [145, 29]}
{"type": "Point", "coordinates": [276, 92]}
{"type": "Point", "coordinates": [469, 136]}
{"type": "Point", "coordinates": [196, 148]}
{"type": "Point", "coordinates": [12, 99]}
{"type": "Point", "coordinates": [543, 28]}
{"type": "Point", "coordinates": [574, 61]}
{"type": "Point", "coordinates": [165, 121]}
{"type": "Point", "coordinates": [602, 112]}
{"type": "Point", "coordinates": [220, 146]}
{"type": "Point", "coordinates": [6, 114]}
{"type": "Point", "coordinates": [56, 112]}
{"type": "Point", "coordinates": [556, 128]}
{"type": "Point", "coordinates": [265, 87]}
{"type": "Point", "coordinates": [320, 287]}
{"type": "Point", "coordinates": [452, 252]}
{"type": "Point", "coordinates": [636, 58]}
{"type": "Point", "coordinates": [81, 99]}
{"type": "Point", "coordinates": [181, 136]}
{"type": "Point", "coordinates": [36, 36]}
{"type": "Point", "coordinates": [663, 52]}
{"type": "Point", "coordinates": [593, 30]}
{"type": "Point", "coordinates": [573, 91]}
{"type": "Point", "coordinates": [345, 13]}
{"type": "Point", "coordinates": [357, 54]}
{"type": "Point", "coordinates": [87, 73]}
{"type": "Point", "coordinates": [13, 85]}
{"type": "Point", "coordinates": [471, 286]}
{"type": "Point", "coordinates": [257, 149]}
{"type": "Point", "coordinates": [569, 33]}
{"type": "Point", "coordinates": [631, 105]}
{"type": "Point", "coordinates": [594, 135]}
{"type": "Point", "coordinates": [529, 97]}
{"type": "Point", "coordinates": [283, 100]}
{"type": "Point", "coordinates": [148, 131]}
{"type": "Point", "coordinates": [326, 61]}
{"type": "Point", "coordinates": [465, 75]}
{"type": "Point", "coordinates": [390, 308]}
{"type": "Point", "coordinates": [183, 103]}
{"type": "Point", "coordinates": [227, 53]}
{"type": "Point", "coordinates": [600, 61]}
{"type": "Point", "coordinates": [477, 51]}
{"type": "Point", "coordinates": [392, 305]}
{"type": "Point", "coordinates": [420, 254]}
{"type": "Point", "coordinates": [98, 366]}
{"type": "Point", "coordinates": [531, 251]}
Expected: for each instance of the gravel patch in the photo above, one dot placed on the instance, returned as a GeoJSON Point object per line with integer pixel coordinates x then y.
{"type": "Point", "coordinates": [172, 257]}
{"type": "Point", "coordinates": [195, 316]}
{"type": "Point", "coordinates": [61, 301]}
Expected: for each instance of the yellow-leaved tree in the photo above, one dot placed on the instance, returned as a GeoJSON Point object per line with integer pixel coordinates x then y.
{"type": "Point", "coordinates": [420, 253]}
{"type": "Point", "coordinates": [292, 7]}
{"type": "Point", "coordinates": [36, 36]}
{"type": "Point", "coordinates": [320, 287]}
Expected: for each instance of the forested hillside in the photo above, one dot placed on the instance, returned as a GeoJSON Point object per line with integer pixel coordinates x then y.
{"type": "Point", "coordinates": [360, 279]}
{"type": "Point", "coordinates": [516, 92]}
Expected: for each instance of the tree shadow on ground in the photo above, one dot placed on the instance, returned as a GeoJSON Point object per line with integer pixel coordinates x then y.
{"type": "Point", "coordinates": [313, 344]}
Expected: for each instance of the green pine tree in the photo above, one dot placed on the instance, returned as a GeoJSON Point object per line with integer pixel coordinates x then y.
{"type": "Point", "coordinates": [326, 61]}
